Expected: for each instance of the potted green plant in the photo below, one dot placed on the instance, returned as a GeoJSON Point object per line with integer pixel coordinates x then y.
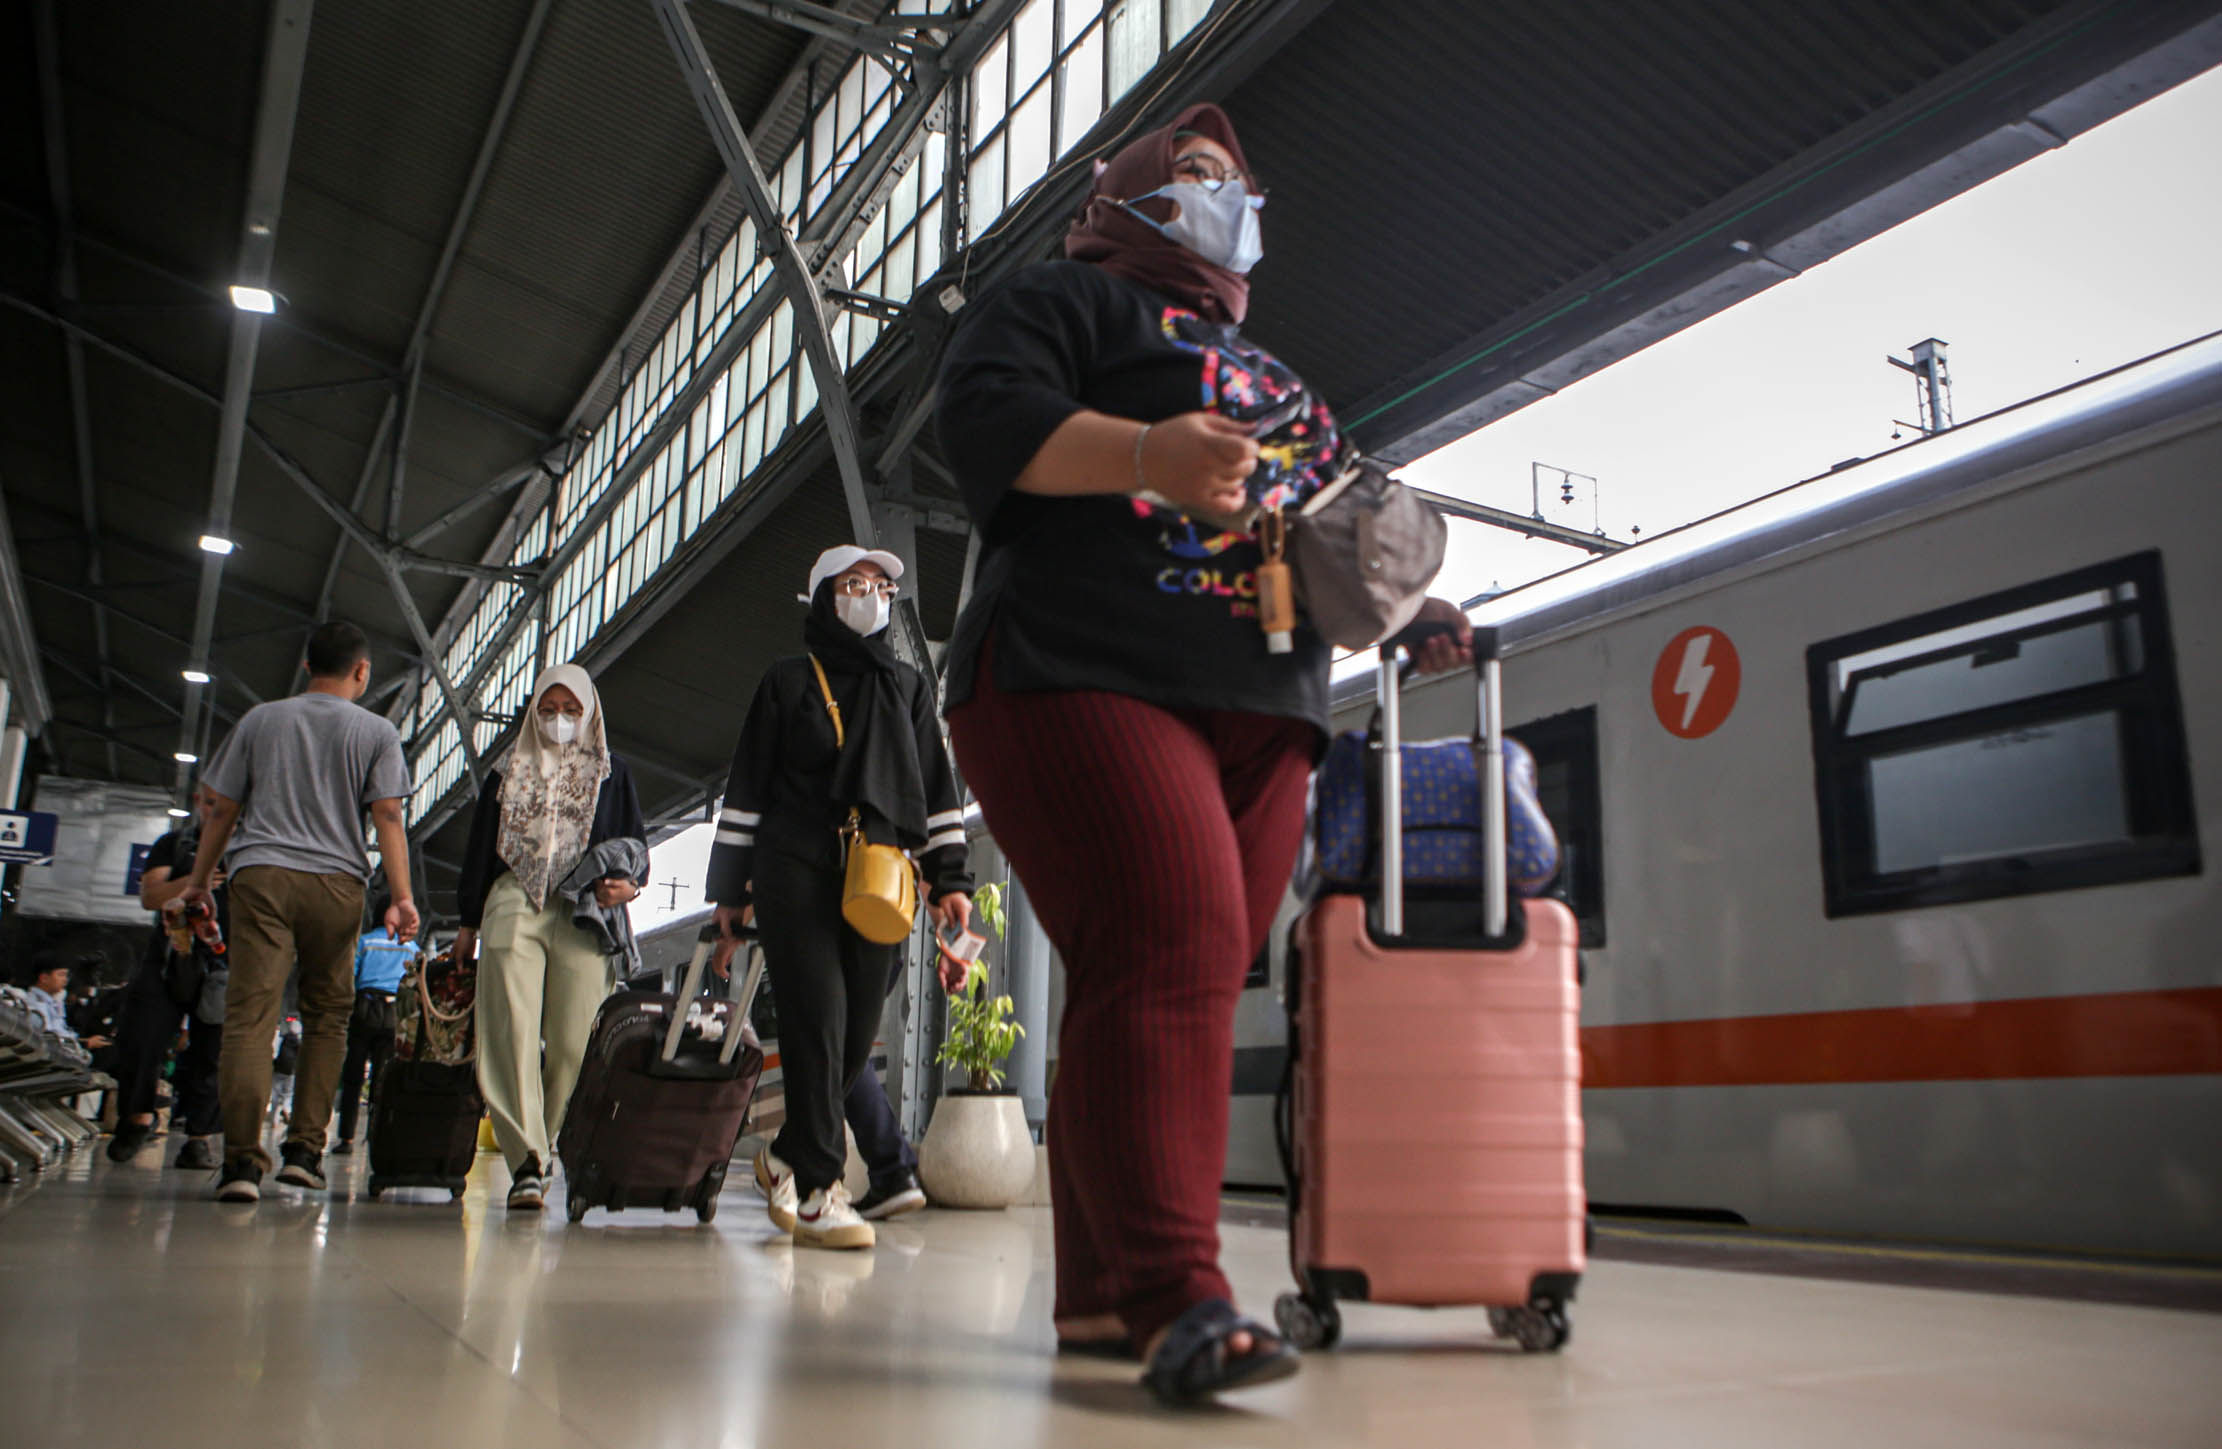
{"type": "Point", "coordinates": [977, 1152]}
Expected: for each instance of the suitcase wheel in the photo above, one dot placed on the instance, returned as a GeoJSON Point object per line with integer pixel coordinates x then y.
{"type": "Point", "coordinates": [1308, 1323]}
{"type": "Point", "coordinates": [574, 1208]}
{"type": "Point", "coordinates": [375, 1186]}
{"type": "Point", "coordinates": [1539, 1328]}
{"type": "Point", "coordinates": [706, 1207]}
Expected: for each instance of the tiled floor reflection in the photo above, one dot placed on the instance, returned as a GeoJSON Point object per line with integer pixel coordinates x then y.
{"type": "Point", "coordinates": [135, 1313]}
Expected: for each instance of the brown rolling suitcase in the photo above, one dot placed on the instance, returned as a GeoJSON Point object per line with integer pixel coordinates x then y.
{"type": "Point", "coordinates": [663, 1096]}
{"type": "Point", "coordinates": [1433, 1132]}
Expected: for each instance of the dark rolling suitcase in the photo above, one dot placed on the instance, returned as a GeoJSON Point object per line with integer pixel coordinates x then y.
{"type": "Point", "coordinates": [425, 1113]}
{"type": "Point", "coordinates": [424, 1126]}
{"type": "Point", "coordinates": [662, 1097]}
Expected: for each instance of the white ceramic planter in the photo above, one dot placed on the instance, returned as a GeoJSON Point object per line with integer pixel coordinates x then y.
{"type": "Point", "coordinates": [977, 1153]}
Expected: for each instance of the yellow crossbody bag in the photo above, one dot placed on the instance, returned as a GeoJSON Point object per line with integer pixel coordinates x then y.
{"type": "Point", "coordinates": [879, 896]}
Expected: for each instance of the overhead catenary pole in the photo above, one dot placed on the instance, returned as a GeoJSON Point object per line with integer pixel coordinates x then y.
{"type": "Point", "coordinates": [284, 60]}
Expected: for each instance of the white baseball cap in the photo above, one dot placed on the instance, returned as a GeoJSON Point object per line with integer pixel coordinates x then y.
{"type": "Point", "coordinates": [840, 560]}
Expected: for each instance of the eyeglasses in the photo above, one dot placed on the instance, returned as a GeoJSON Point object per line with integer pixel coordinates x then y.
{"type": "Point", "coordinates": [1205, 170]}
{"type": "Point", "coordinates": [856, 586]}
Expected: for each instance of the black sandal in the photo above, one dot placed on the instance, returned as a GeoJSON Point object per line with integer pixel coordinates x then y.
{"type": "Point", "coordinates": [1193, 1363]}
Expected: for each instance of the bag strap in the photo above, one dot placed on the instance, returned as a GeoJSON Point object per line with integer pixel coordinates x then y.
{"type": "Point", "coordinates": [840, 736]}
{"type": "Point", "coordinates": [424, 995]}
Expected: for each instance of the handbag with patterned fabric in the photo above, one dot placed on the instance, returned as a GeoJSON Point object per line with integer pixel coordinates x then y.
{"type": "Point", "coordinates": [436, 1011]}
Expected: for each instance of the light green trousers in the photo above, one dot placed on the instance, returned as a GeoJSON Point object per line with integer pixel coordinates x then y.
{"type": "Point", "coordinates": [540, 981]}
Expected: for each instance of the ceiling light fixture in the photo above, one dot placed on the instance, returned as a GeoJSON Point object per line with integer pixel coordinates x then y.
{"type": "Point", "coordinates": [177, 814]}
{"type": "Point", "coordinates": [254, 299]}
{"type": "Point", "coordinates": [184, 758]}
{"type": "Point", "coordinates": [196, 676]}
{"type": "Point", "coordinates": [210, 543]}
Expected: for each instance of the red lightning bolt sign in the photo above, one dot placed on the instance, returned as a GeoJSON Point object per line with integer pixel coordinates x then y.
{"type": "Point", "coordinates": [1695, 683]}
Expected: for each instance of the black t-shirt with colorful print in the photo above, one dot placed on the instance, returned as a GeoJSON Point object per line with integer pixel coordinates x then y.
{"type": "Point", "coordinates": [1115, 593]}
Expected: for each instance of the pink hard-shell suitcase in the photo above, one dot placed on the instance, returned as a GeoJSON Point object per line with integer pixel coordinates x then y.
{"type": "Point", "coordinates": [1433, 1123]}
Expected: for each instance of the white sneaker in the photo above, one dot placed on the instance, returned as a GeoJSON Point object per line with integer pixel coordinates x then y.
{"type": "Point", "coordinates": [776, 1181]}
{"type": "Point", "coordinates": [825, 1220]}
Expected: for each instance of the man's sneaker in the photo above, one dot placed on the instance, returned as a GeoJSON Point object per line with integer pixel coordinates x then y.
{"type": "Point", "coordinates": [302, 1168]}
{"type": "Point", "coordinates": [776, 1181]}
{"type": "Point", "coordinates": [528, 1191]}
{"type": "Point", "coordinates": [197, 1155]}
{"type": "Point", "coordinates": [342, 1148]}
{"type": "Point", "coordinates": [129, 1138]}
{"type": "Point", "coordinates": [241, 1182]}
{"type": "Point", "coordinates": [825, 1220]}
{"type": "Point", "coordinates": [903, 1195]}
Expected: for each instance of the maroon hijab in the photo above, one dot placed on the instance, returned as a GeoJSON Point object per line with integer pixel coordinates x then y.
{"type": "Point", "coordinates": [1119, 242]}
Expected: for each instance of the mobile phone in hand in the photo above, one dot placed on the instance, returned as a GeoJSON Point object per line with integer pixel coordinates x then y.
{"type": "Point", "coordinates": [961, 943]}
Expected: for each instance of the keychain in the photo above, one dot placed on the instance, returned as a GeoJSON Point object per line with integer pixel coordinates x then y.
{"type": "Point", "coordinates": [1276, 585]}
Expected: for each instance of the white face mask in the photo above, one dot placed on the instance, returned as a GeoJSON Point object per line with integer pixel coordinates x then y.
{"type": "Point", "coordinates": [867, 615]}
{"type": "Point", "coordinates": [560, 729]}
{"type": "Point", "coordinates": [1220, 226]}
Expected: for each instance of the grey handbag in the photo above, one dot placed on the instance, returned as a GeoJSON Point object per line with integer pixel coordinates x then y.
{"type": "Point", "coordinates": [1364, 550]}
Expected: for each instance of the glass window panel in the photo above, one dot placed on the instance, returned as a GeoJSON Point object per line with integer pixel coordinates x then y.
{"type": "Point", "coordinates": [899, 274]}
{"type": "Point", "coordinates": [864, 332]}
{"type": "Point", "coordinates": [1181, 17]}
{"type": "Point", "coordinates": [875, 83]}
{"type": "Point", "coordinates": [775, 412]}
{"type": "Point", "coordinates": [1078, 15]}
{"type": "Point", "coordinates": [928, 233]}
{"type": "Point", "coordinates": [1033, 44]}
{"type": "Point", "coordinates": [822, 137]}
{"type": "Point", "coordinates": [752, 439]}
{"type": "Point", "coordinates": [873, 245]}
{"type": "Point", "coordinates": [729, 470]}
{"type": "Point", "coordinates": [806, 391]}
{"type": "Point", "coordinates": [990, 87]}
{"type": "Point", "coordinates": [1029, 140]}
{"type": "Point", "coordinates": [985, 198]}
{"type": "Point", "coordinates": [783, 335]}
{"type": "Point", "coordinates": [2086, 654]}
{"type": "Point", "coordinates": [1083, 90]}
{"type": "Point", "coordinates": [1134, 42]}
{"type": "Point", "coordinates": [902, 202]}
{"type": "Point", "coordinates": [852, 94]}
{"type": "Point", "coordinates": [933, 162]}
{"type": "Point", "coordinates": [736, 394]}
{"type": "Point", "coordinates": [2050, 787]}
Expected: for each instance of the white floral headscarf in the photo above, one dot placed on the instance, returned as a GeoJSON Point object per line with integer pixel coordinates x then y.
{"type": "Point", "coordinates": [548, 791]}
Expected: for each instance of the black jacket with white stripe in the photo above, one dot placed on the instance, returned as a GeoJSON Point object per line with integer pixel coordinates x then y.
{"type": "Point", "coordinates": [779, 795]}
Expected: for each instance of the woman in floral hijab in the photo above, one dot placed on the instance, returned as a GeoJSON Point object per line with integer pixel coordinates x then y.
{"type": "Point", "coordinates": [558, 795]}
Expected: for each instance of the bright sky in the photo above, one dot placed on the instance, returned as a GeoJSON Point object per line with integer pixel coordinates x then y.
{"type": "Point", "coordinates": [2089, 256]}
{"type": "Point", "coordinates": [2085, 258]}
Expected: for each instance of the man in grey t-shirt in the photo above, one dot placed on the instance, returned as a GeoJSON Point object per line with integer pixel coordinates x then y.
{"type": "Point", "coordinates": [290, 787]}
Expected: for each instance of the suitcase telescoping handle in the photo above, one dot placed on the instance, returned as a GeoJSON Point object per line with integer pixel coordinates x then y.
{"type": "Point", "coordinates": [705, 945]}
{"type": "Point", "coordinates": [1489, 702]}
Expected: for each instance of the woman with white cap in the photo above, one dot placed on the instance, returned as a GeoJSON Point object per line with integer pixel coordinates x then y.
{"type": "Point", "coordinates": [558, 795]}
{"type": "Point", "coordinates": [845, 728]}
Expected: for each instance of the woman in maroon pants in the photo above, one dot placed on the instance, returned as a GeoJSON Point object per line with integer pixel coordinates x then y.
{"type": "Point", "coordinates": [1141, 753]}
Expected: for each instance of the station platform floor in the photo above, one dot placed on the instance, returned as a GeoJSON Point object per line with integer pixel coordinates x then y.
{"type": "Point", "coordinates": [134, 1312]}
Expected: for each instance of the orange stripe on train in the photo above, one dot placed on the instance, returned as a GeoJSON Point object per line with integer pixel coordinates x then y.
{"type": "Point", "coordinates": [2115, 1034]}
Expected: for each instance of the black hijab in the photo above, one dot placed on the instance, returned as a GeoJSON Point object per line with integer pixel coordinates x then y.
{"type": "Point", "coordinates": [878, 771]}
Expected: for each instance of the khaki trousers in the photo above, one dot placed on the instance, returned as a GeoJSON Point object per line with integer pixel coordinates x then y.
{"type": "Point", "coordinates": [541, 979]}
{"type": "Point", "coordinates": [279, 916]}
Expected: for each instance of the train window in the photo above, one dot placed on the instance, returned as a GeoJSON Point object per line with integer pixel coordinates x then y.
{"type": "Point", "coordinates": [1565, 750]}
{"type": "Point", "coordinates": [2026, 741]}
